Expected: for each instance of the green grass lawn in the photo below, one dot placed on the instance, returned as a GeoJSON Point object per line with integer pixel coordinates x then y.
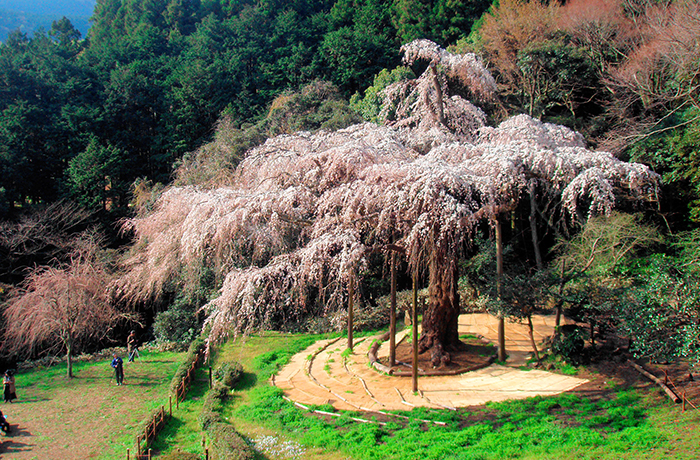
{"type": "Point", "coordinates": [88, 414]}
{"type": "Point", "coordinates": [625, 424]}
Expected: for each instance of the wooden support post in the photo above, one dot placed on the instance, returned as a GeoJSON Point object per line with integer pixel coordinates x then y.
{"type": "Point", "coordinates": [171, 405]}
{"type": "Point", "coordinates": [392, 313]}
{"type": "Point", "coordinates": [149, 454]}
{"type": "Point", "coordinates": [351, 294]}
{"type": "Point", "coordinates": [128, 454]}
{"type": "Point", "coordinates": [499, 278]}
{"type": "Point", "coordinates": [414, 330]}
{"type": "Point", "coordinates": [138, 447]}
{"type": "Point", "coordinates": [206, 454]}
{"type": "Point", "coordinates": [684, 401]}
{"type": "Point", "coordinates": [210, 378]}
{"type": "Point", "coordinates": [560, 300]}
{"type": "Point", "coordinates": [665, 377]}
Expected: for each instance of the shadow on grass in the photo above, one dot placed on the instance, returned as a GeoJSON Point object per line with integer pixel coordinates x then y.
{"type": "Point", "coordinates": [31, 400]}
{"type": "Point", "coordinates": [13, 446]}
{"type": "Point", "coordinates": [247, 381]}
{"type": "Point", "coordinates": [172, 426]}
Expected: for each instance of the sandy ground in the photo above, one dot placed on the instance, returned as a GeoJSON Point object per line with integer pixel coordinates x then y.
{"type": "Point", "coordinates": [321, 375]}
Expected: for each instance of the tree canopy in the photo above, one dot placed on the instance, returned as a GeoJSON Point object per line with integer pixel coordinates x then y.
{"type": "Point", "coordinates": [306, 211]}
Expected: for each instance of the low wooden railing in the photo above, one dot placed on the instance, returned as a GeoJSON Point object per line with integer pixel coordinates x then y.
{"type": "Point", "coordinates": [156, 424]}
{"type": "Point", "coordinates": [184, 385]}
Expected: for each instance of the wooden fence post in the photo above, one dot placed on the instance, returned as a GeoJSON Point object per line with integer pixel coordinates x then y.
{"type": "Point", "coordinates": [684, 401]}
{"type": "Point", "coordinates": [210, 377]}
{"type": "Point", "coordinates": [128, 454]}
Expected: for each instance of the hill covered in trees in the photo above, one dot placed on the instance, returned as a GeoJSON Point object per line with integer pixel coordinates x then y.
{"type": "Point", "coordinates": [154, 77]}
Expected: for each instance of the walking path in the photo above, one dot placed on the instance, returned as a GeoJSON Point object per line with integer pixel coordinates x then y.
{"type": "Point", "coordinates": [322, 375]}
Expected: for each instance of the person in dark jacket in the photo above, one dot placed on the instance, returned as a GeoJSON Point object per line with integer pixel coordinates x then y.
{"type": "Point", "coordinates": [118, 366]}
{"type": "Point", "coordinates": [8, 381]}
{"type": "Point", "coordinates": [132, 346]}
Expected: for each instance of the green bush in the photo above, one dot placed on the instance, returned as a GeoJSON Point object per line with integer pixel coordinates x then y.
{"type": "Point", "coordinates": [180, 456]}
{"type": "Point", "coordinates": [212, 404]}
{"type": "Point", "coordinates": [570, 344]}
{"type": "Point", "coordinates": [178, 323]}
{"type": "Point", "coordinates": [229, 374]}
{"type": "Point", "coordinates": [228, 444]}
{"type": "Point", "coordinates": [195, 347]}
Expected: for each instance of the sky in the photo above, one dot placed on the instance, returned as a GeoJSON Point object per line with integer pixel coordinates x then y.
{"type": "Point", "coordinates": [50, 7]}
{"type": "Point", "coordinates": [29, 15]}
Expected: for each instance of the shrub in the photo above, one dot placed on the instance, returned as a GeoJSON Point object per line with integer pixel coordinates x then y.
{"type": "Point", "coordinates": [228, 444]}
{"type": "Point", "coordinates": [195, 348]}
{"type": "Point", "coordinates": [570, 344]}
{"type": "Point", "coordinates": [229, 374]}
{"type": "Point", "coordinates": [178, 323]}
{"type": "Point", "coordinates": [212, 403]}
{"type": "Point", "coordinates": [180, 456]}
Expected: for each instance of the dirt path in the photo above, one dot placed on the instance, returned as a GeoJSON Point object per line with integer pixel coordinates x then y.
{"type": "Point", "coordinates": [322, 375]}
{"type": "Point", "coordinates": [87, 417]}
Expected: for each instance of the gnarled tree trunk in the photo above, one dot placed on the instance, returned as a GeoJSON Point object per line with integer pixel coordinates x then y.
{"type": "Point", "coordinates": [440, 319]}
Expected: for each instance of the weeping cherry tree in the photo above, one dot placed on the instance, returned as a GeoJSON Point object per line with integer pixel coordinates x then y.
{"type": "Point", "coordinates": [305, 211]}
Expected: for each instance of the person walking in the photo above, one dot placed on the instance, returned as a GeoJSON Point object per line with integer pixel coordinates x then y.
{"type": "Point", "coordinates": [132, 346]}
{"type": "Point", "coordinates": [118, 366]}
{"type": "Point", "coordinates": [8, 382]}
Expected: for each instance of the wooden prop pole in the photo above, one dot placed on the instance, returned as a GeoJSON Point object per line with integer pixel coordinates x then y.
{"type": "Point", "coordinates": [351, 294]}
{"type": "Point", "coordinates": [392, 315]}
{"type": "Point", "coordinates": [499, 277]}
{"type": "Point", "coordinates": [414, 326]}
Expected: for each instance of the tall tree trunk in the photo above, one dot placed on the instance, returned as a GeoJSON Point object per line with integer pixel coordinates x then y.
{"type": "Point", "coordinates": [69, 357]}
{"type": "Point", "coordinates": [499, 277]}
{"type": "Point", "coordinates": [438, 96]}
{"type": "Point", "coordinates": [441, 317]}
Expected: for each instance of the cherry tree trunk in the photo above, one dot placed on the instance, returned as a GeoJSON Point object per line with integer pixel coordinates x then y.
{"type": "Point", "coordinates": [440, 318]}
{"type": "Point", "coordinates": [69, 358]}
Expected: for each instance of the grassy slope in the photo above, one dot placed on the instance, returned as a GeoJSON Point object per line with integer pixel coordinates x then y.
{"type": "Point", "coordinates": [88, 415]}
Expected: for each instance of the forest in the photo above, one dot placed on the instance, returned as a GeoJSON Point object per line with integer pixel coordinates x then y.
{"type": "Point", "coordinates": [551, 144]}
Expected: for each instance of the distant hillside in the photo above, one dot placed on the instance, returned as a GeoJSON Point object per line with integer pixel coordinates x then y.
{"type": "Point", "coordinates": [30, 15]}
